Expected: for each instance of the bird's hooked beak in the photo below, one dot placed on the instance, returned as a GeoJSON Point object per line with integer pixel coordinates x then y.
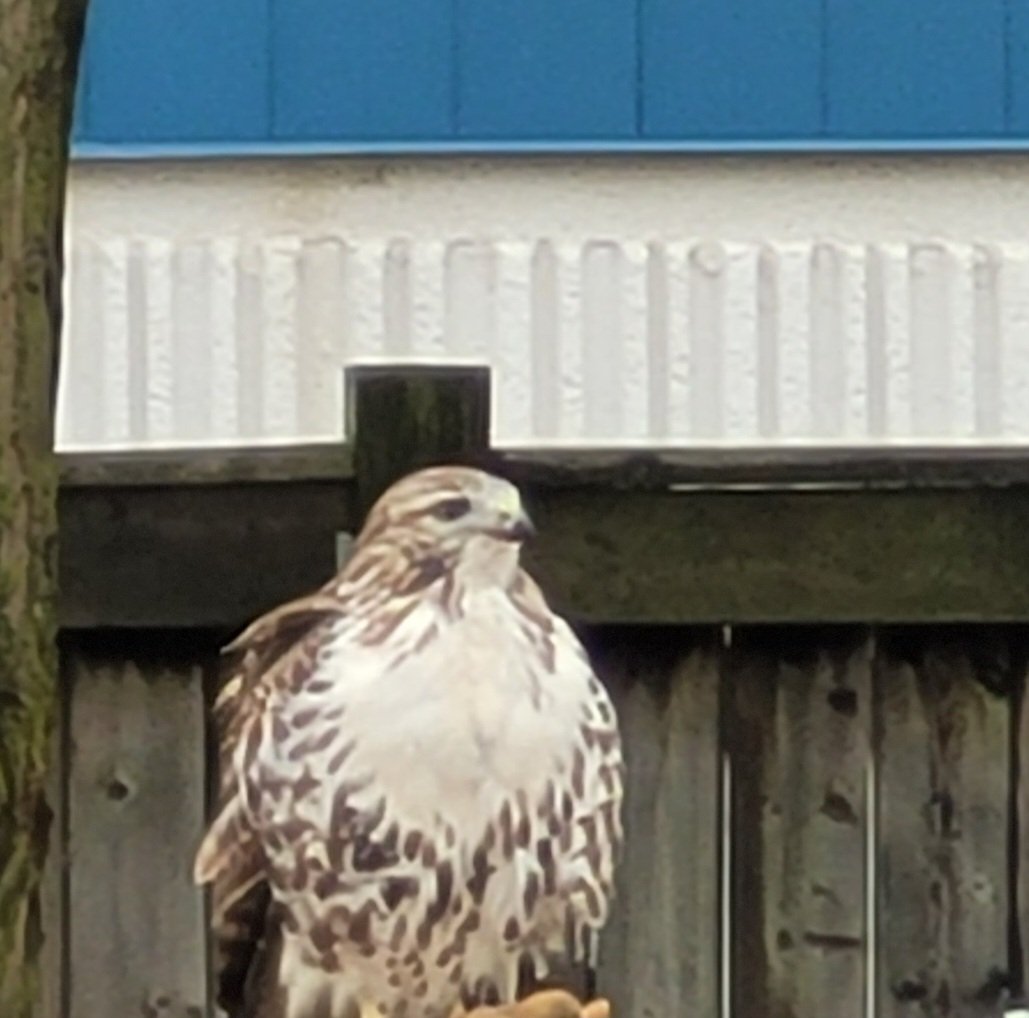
{"type": "Point", "coordinates": [515, 523]}
{"type": "Point", "coordinates": [521, 528]}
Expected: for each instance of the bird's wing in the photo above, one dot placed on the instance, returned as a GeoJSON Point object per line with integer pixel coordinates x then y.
{"type": "Point", "coordinates": [272, 652]}
{"type": "Point", "coordinates": [594, 785]}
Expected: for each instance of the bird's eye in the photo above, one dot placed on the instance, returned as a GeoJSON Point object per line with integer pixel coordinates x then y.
{"type": "Point", "coordinates": [452, 509]}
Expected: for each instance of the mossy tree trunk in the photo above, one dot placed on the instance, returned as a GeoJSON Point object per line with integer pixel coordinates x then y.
{"type": "Point", "coordinates": [39, 48]}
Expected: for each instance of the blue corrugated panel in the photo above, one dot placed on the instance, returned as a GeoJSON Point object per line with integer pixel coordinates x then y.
{"type": "Point", "coordinates": [1018, 69]}
{"type": "Point", "coordinates": [731, 68]}
{"type": "Point", "coordinates": [547, 69]}
{"type": "Point", "coordinates": [350, 75]}
{"type": "Point", "coordinates": [915, 68]}
{"type": "Point", "coordinates": [173, 71]}
{"type": "Point", "coordinates": [363, 69]}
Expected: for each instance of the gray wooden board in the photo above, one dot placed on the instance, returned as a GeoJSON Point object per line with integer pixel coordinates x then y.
{"type": "Point", "coordinates": [1020, 803]}
{"type": "Point", "coordinates": [659, 953]}
{"type": "Point", "coordinates": [325, 461]}
{"type": "Point", "coordinates": [942, 721]}
{"type": "Point", "coordinates": [798, 727]}
{"type": "Point", "coordinates": [615, 468]}
{"type": "Point", "coordinates": [136, 812]}
{"type": "Point", "coordinates": [798, 731]}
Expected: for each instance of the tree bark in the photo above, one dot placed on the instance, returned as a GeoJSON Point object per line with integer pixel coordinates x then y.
{"type": "Point", "coordinates": [39, 48]}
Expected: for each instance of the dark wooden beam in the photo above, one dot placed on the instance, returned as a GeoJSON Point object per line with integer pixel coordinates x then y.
{"type": "Point", "coordinates": [785, 556]}
{"type": "Point", "coordinates": [216, 555]}
{"type": "Point", "coordinates": [212, 555]}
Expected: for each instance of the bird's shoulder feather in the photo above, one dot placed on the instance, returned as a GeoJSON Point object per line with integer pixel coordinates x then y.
{"type": "Point", "coordinates": [274, 650]}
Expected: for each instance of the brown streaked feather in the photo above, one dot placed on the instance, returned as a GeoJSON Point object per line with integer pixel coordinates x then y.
{"type": "Point", "coordinates": [230, 858]}
{"type": "Point", "coordinates": [264, 654]}
{"type": "Point", "coordinates": [224, 848]}
{"type": "Point", "coordinates": [285, 620]}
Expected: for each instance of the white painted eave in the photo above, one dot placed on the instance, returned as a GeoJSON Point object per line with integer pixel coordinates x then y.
{"type": "Point", "coordinates": [784, 302]}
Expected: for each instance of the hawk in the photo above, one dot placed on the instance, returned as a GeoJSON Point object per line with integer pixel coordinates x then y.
{"type": "Point", "coordinates": [421, 776]}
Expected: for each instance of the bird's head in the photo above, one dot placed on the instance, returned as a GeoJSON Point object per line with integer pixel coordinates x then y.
{"type": "Point", "coordinates": [458, 515]}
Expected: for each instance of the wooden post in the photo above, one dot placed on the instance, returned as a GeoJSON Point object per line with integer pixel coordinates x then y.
{"type": "Point", "coordinates": [400, 418]}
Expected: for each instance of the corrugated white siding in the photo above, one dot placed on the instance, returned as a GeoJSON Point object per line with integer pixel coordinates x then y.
{"type": "Point", "coordinates": [176, 338]}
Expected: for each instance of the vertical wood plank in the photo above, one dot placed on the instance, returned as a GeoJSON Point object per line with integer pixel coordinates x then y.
{"type": "Point", "coordinates": [1019, 801]}
{"type": "Point", "coordinates": [798, 732]}
{"type": "Point", "coordinates": [942, 719]}
{"type": "Point", "coordinates": [660, 951]}
{"type": "Point", "coordinates": [136, 812]}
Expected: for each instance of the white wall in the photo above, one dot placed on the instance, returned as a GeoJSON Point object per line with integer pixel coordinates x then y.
{"type": "Point", "coordinates": [671, 299]}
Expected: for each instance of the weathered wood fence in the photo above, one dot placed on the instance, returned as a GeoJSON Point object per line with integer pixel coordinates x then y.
{"type": "Point", "coordinates": [822, 692]}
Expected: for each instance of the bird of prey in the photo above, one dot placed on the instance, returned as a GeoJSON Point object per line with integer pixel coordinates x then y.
{"type": "Point", "coordinates": [421, 776]}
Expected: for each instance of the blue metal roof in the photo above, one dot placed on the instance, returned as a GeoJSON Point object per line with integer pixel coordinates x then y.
{"type": "Point", "coordinates": [206, 77]}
